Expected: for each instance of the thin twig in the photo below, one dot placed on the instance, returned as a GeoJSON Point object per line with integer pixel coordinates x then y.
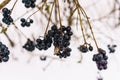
{"type": "Point", "coordinates": [57, 2]}
{"type": "Point", "coordinates": [11, 42]}
{"type": "Point", "coordinates": [32, 14]}
{"type": "Point", "coordinates": [14, 5]}
{"type": "Point", "coordinates": [19, 30]}
{"type": "Point", "coordinates": [81, 24]}
{"type": "Point", "coordinates": [82, 10]}
{"type": "Point", "coordinates": [49, 19]}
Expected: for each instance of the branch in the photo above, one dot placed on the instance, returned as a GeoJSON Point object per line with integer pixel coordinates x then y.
{"type": "Point", "coordinates": [5, 2]}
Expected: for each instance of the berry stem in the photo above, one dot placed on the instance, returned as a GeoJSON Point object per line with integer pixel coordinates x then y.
{"type": "Point", "coordinates": [22, 15]}
{"type": "Point", "coordinates": [57, 2]}
{"type": "Point", "coordinates": [84, 14]}
{"type": "Point", "coordinates": [40, 8]}
{"type": "Point", "coordinates": [49, 19]}
{"type": "Point", "coordinates": [80, 22]}
{"type": "Point", "coordinates": [19, 30]}
{"type": "Point", "coordinates": [32, 14]}
{"type": "Point", "coordinates": [11, 42]}
{"type": "Point", "coordinates": [56, 50]}
{"type": "Point", "coordinates": [89, 26]}
{"type": "Point", "coordinates": [13, 6]}
{"type": "Point", "coordinates": [81, 58]}
{"type": "Point", "coordinates": [5, 2]}
{"type": "Point", "coordinates": [70, 17]}
{"type": "Point", "coordinates": [56, 19]}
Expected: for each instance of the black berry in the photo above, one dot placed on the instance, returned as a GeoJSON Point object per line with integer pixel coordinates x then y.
{"type": "Point", "coordinates": [90, 48]}
{"type": "Point", "coordinates": [7, 19]}
{"type": "Point", "coordinates": [29, 3]}
{"type": "Point", "coordinates": [100, 59]}
{"type": "Point", "coordinates": [24, 22]}
{"type": "Point", "coordinates": [4, 53]}
{"type": "Point", "coordinates": [83, 48]}
{"type": "Point", "coordinates": [29, 45]}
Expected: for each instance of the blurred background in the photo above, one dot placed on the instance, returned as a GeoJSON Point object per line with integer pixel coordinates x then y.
{"type": "Point", "coordinates": [104, 16]}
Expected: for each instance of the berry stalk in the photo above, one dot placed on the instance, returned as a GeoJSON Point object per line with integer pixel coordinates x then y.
{"type": "Point", "coordinates": [57, 2]}
{"type": "Point", "coordinates": [49, 19]}
{"type": "Point", "coordinates": [81, 22]}
{"type": "Point", "coordinates": [84, 13]}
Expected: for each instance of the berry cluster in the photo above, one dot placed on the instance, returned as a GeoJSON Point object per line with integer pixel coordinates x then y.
{"type": "Point", "coordinates": [65, 53]}
{"type": "Point", "coordinates": [25, 22]}
{"type": "Point", "coordinates": [4, 53]}
{"type": "Point", "coordinates": [101, 59]}
{"type": "Point", "coordinates": [84, 48]}
{"type": "Point", "coordinates": [29, 45]}
{"type": "Point", "coordinates": [7, 19]}
{"type": "Point", "coordinates": [29, 3]}
{"type": "Point", "coordinates": [61, 40]}
{"type": "Point", "coordinates": [111, 48]}
{"type": "Point", "coordinates": [45, 43]}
